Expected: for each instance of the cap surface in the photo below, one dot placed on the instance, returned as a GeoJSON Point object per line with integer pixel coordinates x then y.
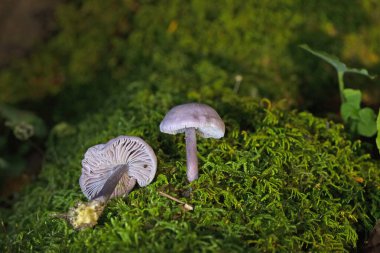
{"type": "Point", "coordinates": [193, 115]}
{"type": "Point", "coordinates": [100, 161]}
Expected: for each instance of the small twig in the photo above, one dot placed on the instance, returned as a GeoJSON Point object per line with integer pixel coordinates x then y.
{"type": "Point", "coordinates": [170, 197]}
{"type": "Point", "coordinates": [188, 207]}
{"type": "Point", "coordinates": [185, 205]}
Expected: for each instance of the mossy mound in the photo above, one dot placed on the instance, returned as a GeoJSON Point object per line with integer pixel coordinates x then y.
{"type": "Point", "coordinates": [279, 181]}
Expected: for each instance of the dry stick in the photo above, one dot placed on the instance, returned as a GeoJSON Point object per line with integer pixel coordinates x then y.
{"type": "Point", "coordinates": [185, 205]}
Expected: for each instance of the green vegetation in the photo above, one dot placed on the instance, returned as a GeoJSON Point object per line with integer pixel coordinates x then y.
{"type": "Point", "coordinates": [279, 181]}
{"type": "Point", "coordinates": [111, 37]}
{"type": "Point", "coordinates": [360, 120]}
{"type": "Point", "coordinates": [98, 42]}
{"type": "Point", "coordinates": [22, 125]}
{"type": "Point", "coordinates": [378, 131]}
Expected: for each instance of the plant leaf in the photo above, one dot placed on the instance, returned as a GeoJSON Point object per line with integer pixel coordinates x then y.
{"type": "Point", "coordinates": [334, 61]}
{"type": "Point", "coordinates": [353, 97]}
{"type": "Point", "coordinates": [348, 110]}
{"type": "Point", "coordinates": [367, 122]}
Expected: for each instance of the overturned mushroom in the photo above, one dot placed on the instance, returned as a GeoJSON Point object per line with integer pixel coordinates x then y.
{"type": "Point", "coordinates": [111, 170]}
{"type": "Point", "coordinates": [189, 118]}
{"type": "Point", "coordinates": [101, 161]}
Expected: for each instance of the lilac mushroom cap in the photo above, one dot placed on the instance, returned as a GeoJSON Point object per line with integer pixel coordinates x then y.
{"type": "Point", "coordinates": [190, 118]}
{"type": "Point", "coordinates": [102, 161]}
{"type": "Point", "coordinates": [202, 117]}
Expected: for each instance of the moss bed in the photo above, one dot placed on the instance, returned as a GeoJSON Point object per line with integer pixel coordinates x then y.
{"type": "Point", "coordinates": [278, 181]}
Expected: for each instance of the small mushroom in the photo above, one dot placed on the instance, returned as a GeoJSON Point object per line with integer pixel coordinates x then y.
{"type": "Point", "coordinates": [101, 161]}
{"type": "Point", "coordinates": [189, 118]}
{"type": "Point", "coordinates": [111, 170]}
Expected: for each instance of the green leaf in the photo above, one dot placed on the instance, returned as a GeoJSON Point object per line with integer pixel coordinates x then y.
{"type": "Point", "coordinates": [334, 61]}
{"type": "Point", "coordinates": [367, 122]}
{"type": "Point", "coordinates": [353, 97]}
{"type": "Point", "coordinates": [349, 111]}
{"type": "Point", "coordinates": [353, 126]}
{"type": "Point", "coordinates": [378, 132]}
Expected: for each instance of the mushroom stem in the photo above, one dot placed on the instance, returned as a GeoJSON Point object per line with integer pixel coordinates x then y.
{"type": "Point", "coordinates": [191, 154]}
{"type": "Point", "coordinates": [105, 193]}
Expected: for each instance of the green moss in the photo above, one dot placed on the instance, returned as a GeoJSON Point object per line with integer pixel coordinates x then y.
{"type": "Point", "coordinates": [257, 39]}
{"type": "Point", "coordinates": [279, 181]}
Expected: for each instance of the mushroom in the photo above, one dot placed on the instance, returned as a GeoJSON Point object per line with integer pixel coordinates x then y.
{"type": "Point", "coordinates": [111, 170]}
{"type": "Point", "coordinates": [189, 118]}
{"type": "Point", "coordinates": [125, 153]}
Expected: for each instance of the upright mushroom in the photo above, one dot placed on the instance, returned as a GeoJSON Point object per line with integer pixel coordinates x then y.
{"type": "Point", "coordinates": [189, 118]}
{"type": "Point", "coordinates": [111, 170]}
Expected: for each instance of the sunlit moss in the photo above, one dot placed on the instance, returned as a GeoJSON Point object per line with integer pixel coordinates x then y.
{"type": "Point", "coordinates": [278, 181]}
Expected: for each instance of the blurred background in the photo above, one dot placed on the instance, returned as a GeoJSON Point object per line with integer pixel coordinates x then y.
{"type": "Point", "coordinates": [60, 58]}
